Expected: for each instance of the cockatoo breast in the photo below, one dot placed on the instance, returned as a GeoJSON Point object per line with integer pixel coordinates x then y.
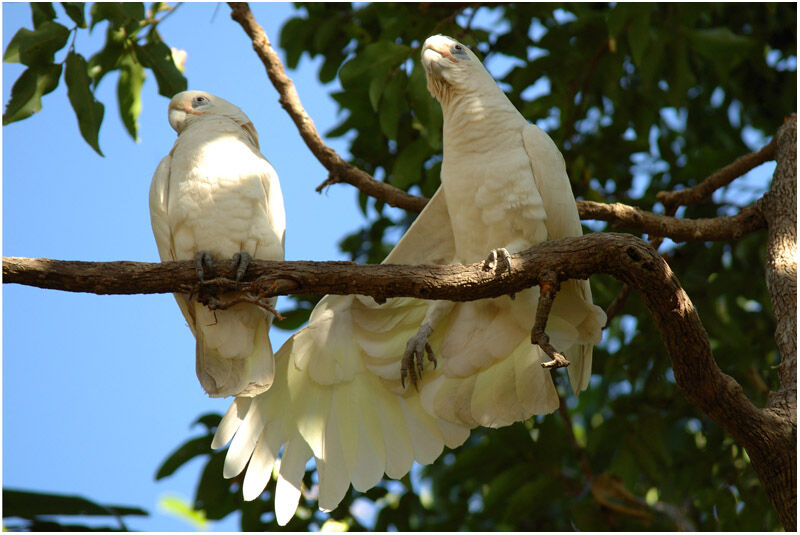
{"type": "Point", "coordinates": [491, 194]}
{"type": "Point", "coordinates": [217, 198]}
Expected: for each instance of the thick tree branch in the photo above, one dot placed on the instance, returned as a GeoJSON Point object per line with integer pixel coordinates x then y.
{"type": "Point", "coordinates": [339, 170]}
{"type": "Point", "coordinates": [779, 471]}
{"type": "Point", "coordinates": [623, 256]}
{"type": "Point", "coordinates": [718, 179]}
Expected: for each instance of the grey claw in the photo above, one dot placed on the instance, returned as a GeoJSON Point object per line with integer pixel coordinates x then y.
{"type": "Point", "coordinates": [240, 262]}
{"type": "Point", "coordinates": [497, 257]}
{"type": "Point", "coordinates": [414, 356]}
{"type": "Point", "coordinates": [203, 262]}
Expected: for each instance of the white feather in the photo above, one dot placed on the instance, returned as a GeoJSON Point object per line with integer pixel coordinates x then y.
{"type": "Point", "coordinates": [215, 192]}
{"type": "Point", "coordinates": [337, 393]}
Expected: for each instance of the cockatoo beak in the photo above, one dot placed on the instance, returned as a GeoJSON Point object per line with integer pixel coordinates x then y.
{"type": "Point", "coordinates": [179, 109]}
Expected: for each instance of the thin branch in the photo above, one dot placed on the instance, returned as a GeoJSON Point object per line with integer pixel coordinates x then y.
{"type": "Point", "coordinates": [750, 219]}
{"type": "Point", "coordinates": [619, 301]}
{"type": "Point", "coordinates": [339, 170]}
{"type": "Point", "coordinates": [548, 289]}
{"type": "Point", "coordinates": [617, 304]}
{"type": "Point", "coordinates": [619, 215]}
{"type": "Point", "coordinates": [718, 179]}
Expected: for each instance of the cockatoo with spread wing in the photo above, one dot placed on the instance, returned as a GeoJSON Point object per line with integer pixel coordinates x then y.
{"type": "Point", "coordinates": [341, 394]}
{"type": "Point", "coordinates": [215, 195]}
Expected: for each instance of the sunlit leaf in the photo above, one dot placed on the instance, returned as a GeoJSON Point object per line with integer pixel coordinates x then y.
{"type": "Point", "coordinates": [129, 86]}
{"type": "Point", "coordinates": [185, 453]}
{"type": "Point", "coordinates": [182, 509]}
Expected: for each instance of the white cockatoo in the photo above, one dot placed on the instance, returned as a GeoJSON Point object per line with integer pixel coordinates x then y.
{"type": "Point", "coordinates": [215, 195]}
{"type": "Point", "coordinates": [339, 394]}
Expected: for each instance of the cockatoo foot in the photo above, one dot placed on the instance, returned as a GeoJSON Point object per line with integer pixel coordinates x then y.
{"type": "Point", "coordinates": [203, 262]}
{"type": "Point", "coordinates": [496, 258]}
{"type": "Point", "coordinates": [414, 356]}
{"type": "Point", "coordinates": [239, 264]}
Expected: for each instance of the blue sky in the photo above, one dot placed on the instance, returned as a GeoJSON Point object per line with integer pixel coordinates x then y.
{"type": "Point", "coordinates": [98, 390]}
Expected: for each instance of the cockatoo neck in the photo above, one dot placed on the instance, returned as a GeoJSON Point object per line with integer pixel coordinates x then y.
{"type": "Point", "coordinates": [469, 115]}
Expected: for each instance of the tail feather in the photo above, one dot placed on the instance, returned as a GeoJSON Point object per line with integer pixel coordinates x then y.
{"type": "Point", "coordinates": [230, 422]}
{"type": "Point", "coordinates": [261, 463]}
{"type": "Point", "coordinates": [290, 479]}
{"type": "Point", "coordinates": [233, 352]}
{"type": "Point", "coordinates": [337, 397]}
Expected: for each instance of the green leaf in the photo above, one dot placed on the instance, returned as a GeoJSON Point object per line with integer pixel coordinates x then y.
{"type": "Point", "coordinates": [427, 111]}
{"type": "Point", "coordinates": [75, 12]}
{"type": "Point", "coordinates": [157, 56]}
{"type": "Point", "coordinates": [213, 493]}
{"type": "Point", "coordinates": [109, 58]}
{"type": "Point", "coordinates": [185, 453]}
{"type": "Point", "coordinates": [32, 47]}
{"type": "Point", "coordinates": [392, 106]}
{"type": "Point", "coordinates": [723, 48]}
{"type": "Point", "coordinates": [23, 504]}
{"type": "Point", "coordinates": [42, 12]}
{"type": "Point", "coordinates": [292, 319]}
{"type": "Point", "coordinates": [126, 15]}
{"type": "Point", "coordinates": [129, 86]}
{"type": "Point", "coordinates": [210, 420]}
{"type": "Point", "coordinates": [88, 110]}
{"type": "Point", "coordinates": [376, 90]}
{"type": "Point", "coordinates": [375, 59]}
{"type": "Point", "coordinates": [639, 34]}
{"type": "Point", "coordinates": [407, 169]}
{"type": "Point", "coordinates": [293, 39]}
{"type": "Point", "coordinates": [27, 92]}
{"type": "Point", "coordinates": [183, 510]}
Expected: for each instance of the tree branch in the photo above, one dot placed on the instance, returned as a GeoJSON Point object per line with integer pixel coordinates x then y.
{"type": "Point", "coordinates": [623, 256]}
{"type": "Point", "coordinates": [718, 179]}
{"type": "Point", "coordinates": [619, 215]}
{"type": "Point", "coordinates": [778, 472]}
{"type": "Point", "coordinates": [339, 170]}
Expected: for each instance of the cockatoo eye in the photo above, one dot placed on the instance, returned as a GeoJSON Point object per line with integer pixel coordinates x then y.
{"type": "Point", "coordinates": [459, 50]}
{"type": "Point", "coordinates": [199, 101]}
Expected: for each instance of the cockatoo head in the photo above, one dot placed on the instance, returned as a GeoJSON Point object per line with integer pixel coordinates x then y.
{"type": "Point", "coordinates": [451, 66]}
{"type": "Point", "coordinates": [187, 107]}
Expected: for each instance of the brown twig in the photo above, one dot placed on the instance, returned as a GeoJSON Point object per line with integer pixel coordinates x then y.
{"type": "Point", "coordinates": [339, 170]}
{"type": "Point", "coordinates": [619, 301]}
{"type": "Point", "coordinates": [718, 179]}
{"type": "Point", "coordinates": [549, 286]}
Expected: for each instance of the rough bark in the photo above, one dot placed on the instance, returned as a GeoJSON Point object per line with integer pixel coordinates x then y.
{"type": "Point", "coordinates": [776, 461]}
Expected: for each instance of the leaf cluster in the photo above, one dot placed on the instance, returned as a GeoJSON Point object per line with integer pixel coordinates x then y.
{"type": "Point", "coordinates": [641, 98]}
{"type": "Point", "coordinates": [132, 46]}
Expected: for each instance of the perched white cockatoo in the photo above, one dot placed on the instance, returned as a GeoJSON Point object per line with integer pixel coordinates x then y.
{"type": "Point", "coordinates": [339, 395]}
{"type": "Point", "coordinates": [215, 195]}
